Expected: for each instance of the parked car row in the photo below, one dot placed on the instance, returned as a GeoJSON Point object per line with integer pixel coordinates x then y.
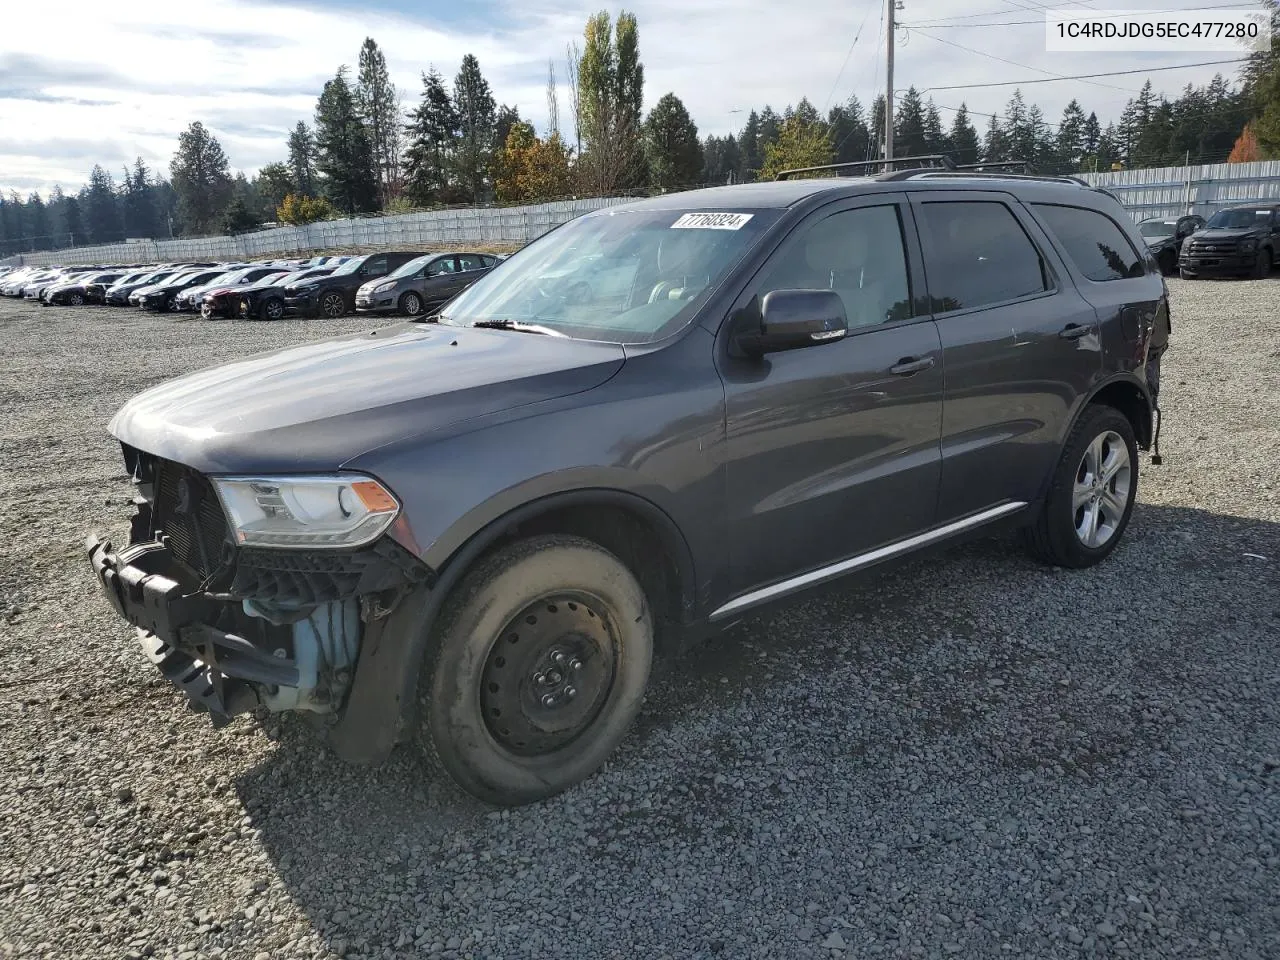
{"type": "Point", "coordinates": [1238, 241]}
{"type": "Point", "coordinates": [409, 283]}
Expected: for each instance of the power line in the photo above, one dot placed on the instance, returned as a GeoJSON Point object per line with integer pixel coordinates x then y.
{"type": "Point", "coordinates": [1083, 76]}
{"type": "Point", "coordinates": [1012, 63]}
{"type": "Point", "coordinates": [847, 55]}
{"type": "Point", "coordinates": [1102, 15]}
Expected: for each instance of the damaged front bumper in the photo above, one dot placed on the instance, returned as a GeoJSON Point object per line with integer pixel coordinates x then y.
{"type": "Point", "coordinates": [230, 655]}
{"type": "Point", "coordinates": [284, 638]}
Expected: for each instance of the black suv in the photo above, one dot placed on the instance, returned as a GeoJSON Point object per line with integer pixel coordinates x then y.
{"type": "Point", "coordinates": [335, 295]}
{"type": "Point", "coordinates": [475, 532]}
{"type": "Point", "coordinates": [1164, 237]}
{"type": "Point", "coordinates": [1236, 242]}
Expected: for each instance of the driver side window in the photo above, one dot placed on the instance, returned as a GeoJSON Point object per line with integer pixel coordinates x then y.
{"type": "Point", "coordinates": [440, 267]}
{"type": "Point", "coordinates": [857, 253]}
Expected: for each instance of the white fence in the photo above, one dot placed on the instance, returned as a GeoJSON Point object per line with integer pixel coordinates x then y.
{"type": "Point", "coordinates": [460, 226]}
{"type": "Point", "coordinates": [1203, 189]}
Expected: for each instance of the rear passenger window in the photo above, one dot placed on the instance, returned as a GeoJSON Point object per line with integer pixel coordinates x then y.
{"type": "Point", "coordinates": [1097, 247]}
{"type": "Point", "coordinates": [978, 255]}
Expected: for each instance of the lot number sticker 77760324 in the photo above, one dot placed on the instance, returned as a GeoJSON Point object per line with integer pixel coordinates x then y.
{"type": "Point", "coordinates": [711, 221]}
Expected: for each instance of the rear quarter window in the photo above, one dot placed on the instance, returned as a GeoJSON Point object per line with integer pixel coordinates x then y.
{"type": "Point", "coordinates": [1093, 242]}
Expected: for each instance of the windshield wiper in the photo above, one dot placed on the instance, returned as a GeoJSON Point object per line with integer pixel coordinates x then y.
{"type": "Point", "coordinates": [517, 325]}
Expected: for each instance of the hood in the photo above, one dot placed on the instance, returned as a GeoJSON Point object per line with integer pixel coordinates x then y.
{"type": "Point", "coordinates": [317, 406]}
{"type": "Point", "coordinates": [1223, 233]}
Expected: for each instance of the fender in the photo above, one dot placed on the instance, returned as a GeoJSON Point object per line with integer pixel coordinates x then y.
{"type": "Point", "coordinates": [1082, 404]}
{"type": "Point", "coordinates": [384, 689]}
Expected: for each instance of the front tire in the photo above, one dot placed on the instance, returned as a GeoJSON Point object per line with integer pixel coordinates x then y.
{"type": "Point", "coordinates": [1092, 493]}
{"type": "Point", "coordinates": [1185, 275]}
{"type": "Point", "coordinates": [411, 304]}
{"type": "Point", "coordinates": [538, 666]}
{"type": "Point", "coordinates": [76, 300]}
{"type": "Point", "coordinates": [1262, 268]}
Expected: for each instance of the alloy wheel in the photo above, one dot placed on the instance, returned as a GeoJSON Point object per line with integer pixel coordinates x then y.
{"type": "Point", "coordinates": [412, 304]}
{"type": "Point", "coordinates": [1103, 487]}
{"type": "Point", "coordinates": [332, 306]}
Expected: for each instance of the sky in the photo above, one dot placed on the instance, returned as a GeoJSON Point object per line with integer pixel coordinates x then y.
{"type": "Point", "coordinates": [84, 83]}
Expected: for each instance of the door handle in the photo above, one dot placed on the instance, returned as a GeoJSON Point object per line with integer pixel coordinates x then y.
{"type": "Point", "coordinates": [1074, 331]}
{"type": "Point", "coordinates": [909, 365]}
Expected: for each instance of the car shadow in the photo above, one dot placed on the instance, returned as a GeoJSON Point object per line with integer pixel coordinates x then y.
{"type": "Point", "coordinates": [868, 674]}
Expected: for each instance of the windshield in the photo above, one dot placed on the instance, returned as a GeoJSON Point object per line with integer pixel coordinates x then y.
{"type": "Point", "coordinates": [1239, 219]}
{"type": "Point", "coordinates": [627, 276]}
{"type": "Point", "coordinates": [177, 278]}
{"type": "Point", "coordinates": [351, 266]}
{"type": "Point", "coordinates": [1154, 229]}
{"type": "Point", "coordinates": [294, 277]}
{"type": "Point", "coordinates": [410, 268]}
{"type": "Point", "coordinates": [235, 276]}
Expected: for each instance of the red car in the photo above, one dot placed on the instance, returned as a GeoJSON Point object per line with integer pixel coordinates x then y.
{"type": "Point", "coordinates": [225, 301]}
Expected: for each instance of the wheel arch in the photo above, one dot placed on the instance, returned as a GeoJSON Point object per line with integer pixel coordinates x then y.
{"type": "Point", "coordinates": [382, 701]}
{"type": "Point", "coordinates": [1131, 397]}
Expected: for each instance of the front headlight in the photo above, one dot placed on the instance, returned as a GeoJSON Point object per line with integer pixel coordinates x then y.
{"type": "Point", "coordinates": [1249, 243]}
{"type": "Point", "coordinates": [306, 512]}
{"type": "Point", "coordinates": [384, 287]}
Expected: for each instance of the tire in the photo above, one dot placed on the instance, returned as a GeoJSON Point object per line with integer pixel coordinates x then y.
{"type": "Point", "coordinates": [1185, 275]}
{"type": "Point", "coordinates": [76, 300]}
{"type": "Point", "coordinates": [206, 312]}
{"type": "Point", "coordinates": [1061, 534]}
{"type": "Point", "coordinates": [271, 309]}
{"type": "Point", "coordinates": [1168, 263]}
{"type": "Point", "coordinates": [332, 305]}
{"type": "Point", "coordinates": [1262, 267]}
{"type": "Point", "coordinates": [411, 304]}
{"type": "Point", "coordinates": [588, 646]}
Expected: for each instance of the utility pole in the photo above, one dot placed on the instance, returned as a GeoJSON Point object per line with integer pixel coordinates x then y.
{"type": "Point", "coordinates": [890, 7]}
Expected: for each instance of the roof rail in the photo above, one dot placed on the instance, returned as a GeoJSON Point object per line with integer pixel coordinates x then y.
{"type": "Point", "coordinates": [980, 175]}
{"type": "Point", "coordinates": [929, 161]}
{"type": "Point", "coordinates": [1001, 166]}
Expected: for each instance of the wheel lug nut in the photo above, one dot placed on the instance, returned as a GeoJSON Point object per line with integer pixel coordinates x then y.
{"type": "Point", "coordinates": [570, 692]}
{"type": "Point", "coordinates": [576, 664]}
{"type": "Point", "coordinates": [558, 657]}
{"type": "Point", "coordinates": [548, 701]}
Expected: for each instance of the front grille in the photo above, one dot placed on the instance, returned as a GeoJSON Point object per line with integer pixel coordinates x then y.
{"type": "Point", "coordinates": [189, 516]}
{"type": "Point", "coordinates": [1206, 247]}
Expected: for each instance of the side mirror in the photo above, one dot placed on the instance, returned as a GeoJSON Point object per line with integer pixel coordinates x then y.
{"type": "Point", "coordinates": [791, 319]}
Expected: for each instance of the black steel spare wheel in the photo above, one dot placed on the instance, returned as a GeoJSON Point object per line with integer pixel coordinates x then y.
{"type": "Point", "coordinates": [548, 675]}
{"type": "Point", "coordinates": [537, 665]}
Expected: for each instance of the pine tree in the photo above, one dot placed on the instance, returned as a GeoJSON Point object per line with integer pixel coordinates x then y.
{"type": "Point", "coordinates": [506, 118]}
{"type": "Point", "coordinates": [935, 141]}
{"type": "Point", "coordinates": [201, 179]}
{"type": "Point", "coordinates": [73, 221]}
{"type": "Point", "coordinates": [431, 133]}
{"type": "Point", "coordinates": [344, 153]}
{"type": "Point", "coordinates": [474, 103]}
{"type": "Point", "coordinates": [849, 134]}
{"type": "Point", "coordinates": [37, 222]}
{"type": "Point", "coordinates": [238, 218]}
{"type": "Point", "coordinates": [721, 160]}
{"type": "Point", "coordinates": [799, 144]}
{"type": "Point", "coordinates": [770, 128]}
{"type": "Point", "coordinates": [379, 104]}
{"type": "Point", "coordinates": [302, 160]}
{"type": "Point", "coordinates": [749, 155]}
{"type": "Point", "coordinates": [671, 145]}
{"type": "Point", "coordinates": [139, 206]}
{"type": "Point", "coordinates": [877, 128]}
{"type": "Point", "coordinates": [1070, 146]}
{"type": "Point", "coordinates": [963, 139]}
{"type": "Point", "coordinates": [1091, 135]}
{"type": "Point", "coordinates": [995, 145]}
{"type": "Point", "coordinates": [102, 213]}
{"type": "Point", "coordinates": [273, 183]}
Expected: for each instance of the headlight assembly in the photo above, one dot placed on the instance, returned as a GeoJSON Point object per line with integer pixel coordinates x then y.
{"type": "Point", "coordinates": [343, 510]}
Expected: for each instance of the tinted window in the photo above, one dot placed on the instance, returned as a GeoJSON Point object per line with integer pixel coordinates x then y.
{"type": "Point", "coordinates": [1093, 242]}
{"type": "Point", "coordinates": [857, 253]}
{"type": "Point", "coordinates": [470, 261]}
{"type": "Point", "coordinates": [488, 261]}
{"type": "Point", "coordinates": [979, 254]}
{"type": "Point", "coordinates": [443, 265]}
{"type": "Point", "coordinates": [375, 266]}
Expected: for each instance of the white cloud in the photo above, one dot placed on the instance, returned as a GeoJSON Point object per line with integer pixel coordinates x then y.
{"type": "Point", "coordinates": [127, 83]}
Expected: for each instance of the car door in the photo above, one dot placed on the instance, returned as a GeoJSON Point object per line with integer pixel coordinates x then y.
{"type": "Point", "coordinates": [1019, 343]}
{"type": "Point", "coordinates": [440, 279]}
{"type": "Point", "coordinates": [832, 450]}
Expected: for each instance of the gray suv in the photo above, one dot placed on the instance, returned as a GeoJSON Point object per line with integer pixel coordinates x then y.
{"type": "Point", "coordinates": [475, 533]}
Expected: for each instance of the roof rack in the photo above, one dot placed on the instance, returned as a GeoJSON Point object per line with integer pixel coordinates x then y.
{"type": "Point", "coordinates": [927, 162]}
{"type": "Point", "coordinates": [983, 175]}
{"type": "Point", "coordinates": [1002, 166]}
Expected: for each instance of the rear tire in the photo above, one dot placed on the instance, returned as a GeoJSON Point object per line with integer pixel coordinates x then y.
{"type": "Point", "coordinates": [271, 309]}
{"type": "Point", "coordinates": [1092, 492]}
{"type": "Point", "coordinates": [332, 305]}
{"type": "Point", "coordinates": [536, 669]}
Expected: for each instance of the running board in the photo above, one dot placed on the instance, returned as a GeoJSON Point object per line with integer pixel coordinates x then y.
{"type": "Point", "coordinates": [822, 574]}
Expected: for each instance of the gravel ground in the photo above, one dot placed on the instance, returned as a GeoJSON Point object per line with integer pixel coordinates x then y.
{"type": "Point", "coordinates": [970, 755]}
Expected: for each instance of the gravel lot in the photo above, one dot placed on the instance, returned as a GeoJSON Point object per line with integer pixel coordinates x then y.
{"type": "Point", "coordinates": [970, 755]}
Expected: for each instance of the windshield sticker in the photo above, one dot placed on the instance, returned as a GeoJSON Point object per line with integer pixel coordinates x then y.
{"type": "Point", "coordinates": [1262, 213]}
{"type": "Point", "coordinates": [711, 221]}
